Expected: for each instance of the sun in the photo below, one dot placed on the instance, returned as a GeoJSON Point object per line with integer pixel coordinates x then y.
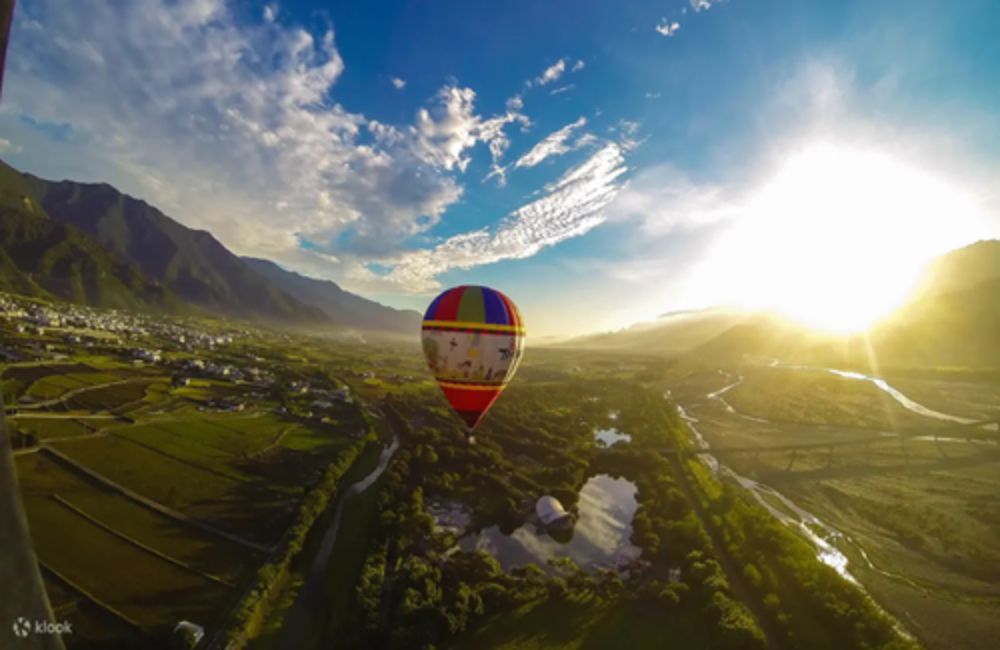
{"type": "Point", "coordinates": [839, 236]}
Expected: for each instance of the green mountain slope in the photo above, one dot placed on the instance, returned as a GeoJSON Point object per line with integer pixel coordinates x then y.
{"type": "Point", "coordinates": [191, 263]}
{"type": "Point", "coordinates": [341, 306]}
{"type": "Point", "coordinates": [44, 258]}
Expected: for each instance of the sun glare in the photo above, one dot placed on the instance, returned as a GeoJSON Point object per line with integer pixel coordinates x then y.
{"type": "Point", "coordinates": [839, 236]}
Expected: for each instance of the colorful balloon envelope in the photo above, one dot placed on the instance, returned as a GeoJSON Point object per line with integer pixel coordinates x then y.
{"type": "Point", "coordinates": [473, 338]}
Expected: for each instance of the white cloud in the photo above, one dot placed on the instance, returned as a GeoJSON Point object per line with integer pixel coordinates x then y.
{"type": "Point", "coordinates": [552, 73]}
{"type": "Point", "coordinates": [515, 103]}
{"type": "Point", "coordinates": [667, 28]}
{"type": "Point", "coordinates": [572, 206]}
{"type": "Point", "coordinates": [444, 133]}
{"type": "Point", "coordinates": [554, 144]}
{"type": "Point", "coordinates": [233, 126]}
{"type": "Point", "coordinates": [562, 89]}
{"type": "Point", "coordinates": [579, 65]}
{"type": "Point", "coordinates": [703, 5]}
{"type": "Point", "coordinates": [270, 13]}
{"type": "Point", "coordinates": [662, 199]}
{"type": "Point", "coordinates": [6, 146]}
{"type": "Point", "coordinates": [398, 83]}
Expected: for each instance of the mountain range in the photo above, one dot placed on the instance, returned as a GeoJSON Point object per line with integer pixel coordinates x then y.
{"type": "Point", "coordinates": [951, 320]}
{"type": "Point", "coordinates": [92, 244]}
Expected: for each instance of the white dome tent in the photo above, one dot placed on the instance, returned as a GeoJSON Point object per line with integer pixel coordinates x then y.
{"type": "Point", "coordinates": [550, 511]}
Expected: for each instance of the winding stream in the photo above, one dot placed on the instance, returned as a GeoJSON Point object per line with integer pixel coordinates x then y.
{"type": "Point", "coordinates": [822, 535]}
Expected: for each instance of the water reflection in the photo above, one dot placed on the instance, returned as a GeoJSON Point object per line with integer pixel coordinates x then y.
{"type": "Point", "coordinates": [600, 537]}
{"type": "Point", "coordinates": [611, 436]}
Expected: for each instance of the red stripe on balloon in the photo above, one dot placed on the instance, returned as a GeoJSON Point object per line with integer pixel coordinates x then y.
{"type": "Point", "coordinates": [470, 404]}
{"type": "Point", "coordinates": [448, 309]}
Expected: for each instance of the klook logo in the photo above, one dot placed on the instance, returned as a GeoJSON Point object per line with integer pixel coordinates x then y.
{"type": "Point", "coordinates": [22, 627]}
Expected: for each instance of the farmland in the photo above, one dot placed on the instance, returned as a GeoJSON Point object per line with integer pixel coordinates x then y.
{"type": "Point", "coordinates": [155, 490]}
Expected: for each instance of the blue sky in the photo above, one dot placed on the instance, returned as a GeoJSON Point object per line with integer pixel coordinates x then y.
{"type": "Point", "coordinates": [590, 159]}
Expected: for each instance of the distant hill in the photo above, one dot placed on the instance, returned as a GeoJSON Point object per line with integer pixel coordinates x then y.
{"type": "Point", "coordinates": [340, 306]}
{"type": "Point", "coordinates": [962, 268]}
{"type": "Point", "coordinates": [190, 263]}
{"type": "Point", "coordinates": [671, 333]}
{"type": "Point", "coordinates": [953, 319]}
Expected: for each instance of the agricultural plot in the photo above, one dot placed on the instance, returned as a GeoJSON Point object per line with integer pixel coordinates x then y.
{"type": "Point", "coordinates": [92, 625]}
{"type": "Point", "coordinates": [49, 428]}
{"type": "Point", "coordinates": [256, 448]}
{"type": "Point", "coordinates": [54, 386]}
{"type": "Point", "coordinates": [244, 508]}
{"type": "Point", "coordinates": [41, 477]}
{"type": "Point", "coordinates": [145, 588]}
{"type": "Point", "coordinates": [106, 398]}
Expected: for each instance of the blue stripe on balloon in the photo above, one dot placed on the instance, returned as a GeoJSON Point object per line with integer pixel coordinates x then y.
{"type": "Point", "coordinates": [431, 313]}
{"type": "Point", "coordinates": [496, 311]}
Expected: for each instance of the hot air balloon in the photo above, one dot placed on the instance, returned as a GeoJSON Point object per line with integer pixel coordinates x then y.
{"type": "Point", "coordinates": [473, 338]}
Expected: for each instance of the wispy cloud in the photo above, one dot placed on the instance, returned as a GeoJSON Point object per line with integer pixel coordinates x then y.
{"type": "Point", "coordinates": [554, 144]}
{"type": "Point", "coordinates": [562, 89]}
{"type": "Point", "coordinates": [398, 83]}
{"type": "Point", "coordinates": [667, 28]}
{"type": "Point", "coordinates": [703, 5]}
{"type": "Point", "coordinates": [579, 65]}
{"type": "Point", "coordinates": [552, 73]}
{"type": "Point", "coordinates": [571, 206]}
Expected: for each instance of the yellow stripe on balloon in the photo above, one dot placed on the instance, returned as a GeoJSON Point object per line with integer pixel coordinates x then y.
{"type": "Point", "coordinates": [451, 324]}
{"type": "Point", "coordinates": [448, 384]}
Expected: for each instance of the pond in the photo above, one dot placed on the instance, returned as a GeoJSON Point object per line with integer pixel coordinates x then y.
{"type": "Point", "coordinates": [601, 535]}
{"type": "Point", "coordinates": [611, 436]}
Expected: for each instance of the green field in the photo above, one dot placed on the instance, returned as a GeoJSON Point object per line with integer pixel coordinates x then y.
{"type": "Point", "coordinates": [41, 477]}
{"type": "Point", "coordinates": [54, 386]}
{"type": "Point", "coordinates": [587, 625]}
{"type": "Point", "coordinates": [243, 508]}
{"type": "Point", "coordinates": [142, 586]}
{"type": "Point", "coordinates": [46, 428]}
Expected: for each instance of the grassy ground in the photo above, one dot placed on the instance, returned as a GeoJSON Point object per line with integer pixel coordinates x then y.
{"type": "Point", "coordinates": [348, 557]}
{"type": "Point", "coordinates": [41, 477]}
{"type": "Point", "coordinates": [585, 626]}
{"type": "Point", "coordinates": [46, 428]}
{"type": "Point", "coordinates": [55, 385]}
{"type": "Point", "coordinates": [142, 586]}
{"type": "Point", "coordinates": [244, 508]}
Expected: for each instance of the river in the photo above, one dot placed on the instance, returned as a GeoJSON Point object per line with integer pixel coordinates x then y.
{"type": "Point", "coordinates": [823, 536]}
